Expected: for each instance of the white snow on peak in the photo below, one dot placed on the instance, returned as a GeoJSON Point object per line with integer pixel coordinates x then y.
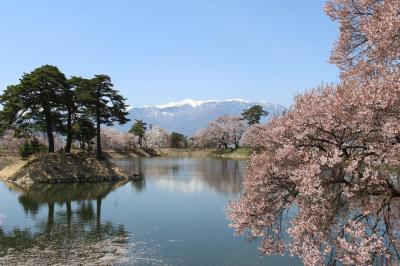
{"type": "Point", "coordinates": [196, 103]}
{"type": "Point", "coordinates": [191, 102]}
{"type": "Point", "coordinates": [237, 100]}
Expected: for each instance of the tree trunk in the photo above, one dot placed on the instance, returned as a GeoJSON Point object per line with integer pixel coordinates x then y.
{"type": "Point", "coordinates": [49, 131]}
{"type": "Point", "coordinates": [47, 117]}
{"type": "Point", "coordinates": [69, 131]}
{"type": "Point", "coordinates": [99, 152]}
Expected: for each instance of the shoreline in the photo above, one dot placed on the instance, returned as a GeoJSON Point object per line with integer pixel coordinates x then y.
{"type": "Point", "coordinates": [241, 153]}
{"type": "Point", "coordinates": [11, 165]}
{"type": "Point", "coordinates": [7, 159]}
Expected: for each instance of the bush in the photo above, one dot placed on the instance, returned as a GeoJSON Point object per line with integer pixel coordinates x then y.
{"type": "Point", "coordinates": [36, 146]}
{"type": "Point", "coordinates": [178, 140]}
{"type": "Point", "coordinates": [31, 147]}
{"type": "Point", "coordinates": [25, 150]}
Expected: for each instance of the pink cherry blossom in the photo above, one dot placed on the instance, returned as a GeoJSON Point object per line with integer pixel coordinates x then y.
{"type": "Point", "coordinates": [224, 132]}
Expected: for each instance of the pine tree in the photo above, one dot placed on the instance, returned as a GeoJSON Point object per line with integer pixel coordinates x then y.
{"type": "Point", "coordinates": [253, 114]}
{"type": "Point", "coordinates": [178, 140]}
{"type": "Point", "coordinates": [139, 129]}
{"type": "Point", "coordinates": [34, 104]}
{"type": "Point", "coordinates": [104, 104]}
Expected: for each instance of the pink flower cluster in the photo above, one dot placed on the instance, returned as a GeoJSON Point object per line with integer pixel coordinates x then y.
{"type": "Point", "coordinates": [224, 132]}
{"type": "Point", "coordinates": [369, 35]}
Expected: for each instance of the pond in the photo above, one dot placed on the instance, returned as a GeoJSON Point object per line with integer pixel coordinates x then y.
{"type": "Point", "coordinates": [174, 216]}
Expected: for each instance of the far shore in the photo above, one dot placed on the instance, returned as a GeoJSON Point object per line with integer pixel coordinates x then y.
{"type": "Point", "coordinates": [7, 158]}
{"type": "Point", "coordinates": [241, 153]}
{"type": "Point", "coordinates": [12, 162]}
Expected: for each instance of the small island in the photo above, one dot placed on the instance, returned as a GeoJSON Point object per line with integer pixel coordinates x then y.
{"type": "Point", "coordinates": [57, 168]}
{"type": "Point", "coordinates": [46, 103]}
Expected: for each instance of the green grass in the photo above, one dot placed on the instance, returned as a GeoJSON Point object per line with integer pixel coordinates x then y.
{"type": "Point", "coordinates": [229, 153]}
{"type": "Point", "coordinates": [234, 153]}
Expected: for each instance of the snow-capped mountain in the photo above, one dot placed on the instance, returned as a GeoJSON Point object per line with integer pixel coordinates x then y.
{"type": "Point", "coordinates": [188, 116]}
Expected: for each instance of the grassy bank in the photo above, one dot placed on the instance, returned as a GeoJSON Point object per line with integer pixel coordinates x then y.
{"type": "Point", "coordinates": [113, 154]}
{"type": "Point", "coordinates": [241, 153]}
{"type": "Point", "coordinates": [6, 160]}
{"type": "Point", "coordinates": [9, 164]}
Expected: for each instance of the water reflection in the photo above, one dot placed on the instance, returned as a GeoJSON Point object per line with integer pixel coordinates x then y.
{"type": "Point", "coordinates": [224, 176]}
{"type": "Point", "coordinates": [78, 224]}
{"type": "Point", "coordinates": [188, 175]}
{"type": "Point", "coordinates": [73, 231]}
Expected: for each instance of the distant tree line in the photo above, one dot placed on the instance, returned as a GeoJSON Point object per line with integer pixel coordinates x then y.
{"type": "Point", "coordinates": [230, 131]}
{"type": "Point", "coordinates": [139, 136]}
{"type": "Point", "coordinates": [46, 110]}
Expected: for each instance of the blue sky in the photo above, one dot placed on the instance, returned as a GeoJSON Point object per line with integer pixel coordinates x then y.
{"type": "Point", "coordinates": [158, 51]}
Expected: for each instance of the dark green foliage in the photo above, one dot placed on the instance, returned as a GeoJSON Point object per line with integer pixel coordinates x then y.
{"type": "Point", "coordinates": [253, 114]}
{"type": "Point", "coordinates": [139, 129]}
{"type": "Point", "coordinates": [45, 101]}
{"type": "Point", "coordinates": [31, 147]}
{"type": "Point", "coordinates": [36, 146]}
{"type": "Point", "coordinates": [25, 150]}
{"type": "Point", "coordinates": [70, 106]}
{"type": "Point", "coordinates": [178, 140]}
{"type": "Point", "coordinates": [84, 131]}
{"type": "Point", "coordinates": [104, 104]}
{"type": "Point", "coordinates": [35, 103]}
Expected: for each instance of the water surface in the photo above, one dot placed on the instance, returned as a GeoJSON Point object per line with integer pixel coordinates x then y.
{"type": "Point", "coordinates": [173, 216]}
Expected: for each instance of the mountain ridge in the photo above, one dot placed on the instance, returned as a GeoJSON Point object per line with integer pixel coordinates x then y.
{"type": "Point", "coordinates": [189, 115]}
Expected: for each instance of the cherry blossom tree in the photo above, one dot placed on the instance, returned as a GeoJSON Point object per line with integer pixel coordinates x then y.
{"type": "Point", "coordinates": [330, 165]}
{"type": "Point", "coordinates": [156, 138]}
{"type": "Point", "coordinates": [9, 142]}
{"type": "Point", "coordinates": [332, 159]}
{"type": "Point", "coordinates": [236, 127]}
{"type": "Point", "coordinates": [201, 139]}
{"type": "Point", "coordinates": [251, 136]}
{"type": "Point", "coordinates": [224, 132]}
{"type": "Point", "coordinates": [130, 141]}
{"type": "Point", "coordinates": [114, 139]}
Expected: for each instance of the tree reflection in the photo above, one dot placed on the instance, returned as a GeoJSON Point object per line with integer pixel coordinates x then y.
{"type": "Point", "coordinates": [73, 233]}
{"type": "Point", "coordinates": [135, 167]}
{"type": "Point", "coordinates": [225, 176]}
{"type": "Point", "coordinates": [187, 175]}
